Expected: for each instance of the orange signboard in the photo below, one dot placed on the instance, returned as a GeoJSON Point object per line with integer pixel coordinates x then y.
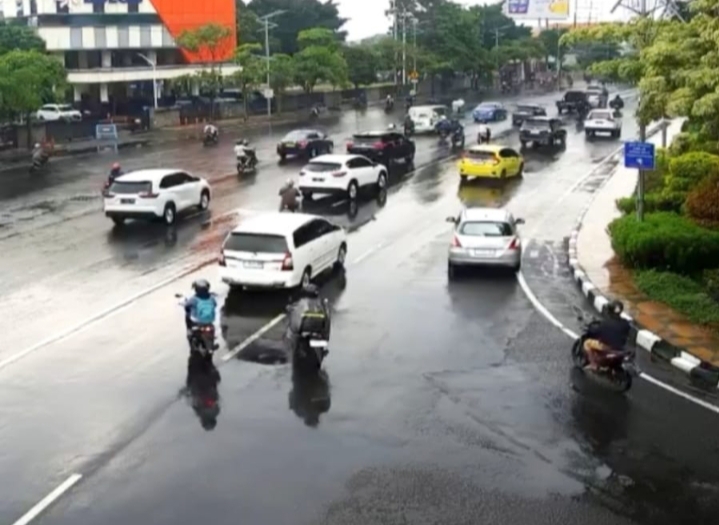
{"type": "Point", "coordinates": [186, 15]}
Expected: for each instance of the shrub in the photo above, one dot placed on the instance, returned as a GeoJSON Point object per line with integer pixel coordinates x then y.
{"type": "Point", "coordinates": [688, 141]}
{"type": "Point", "coordinates": [654, 179]}
{"type": "Point", "coordinates": [664, 241]}
{"type": "Point", "coordinates": [687, 170]}
{"type": "Point", "coordinates": [710, 280]}
{"type": "Point", "coordinates": [679, 292]}
{"type": "Point", "coordinates": [702, 203]}
{"type": "Point", "coordinates": [664, 201]}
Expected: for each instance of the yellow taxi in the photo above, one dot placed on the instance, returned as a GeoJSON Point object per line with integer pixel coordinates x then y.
{"type": "Point", "coordinates": [490, 161]}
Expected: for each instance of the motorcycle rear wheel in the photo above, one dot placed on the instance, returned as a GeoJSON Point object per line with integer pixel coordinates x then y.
{"type": "Point", "coordinates": [622, 380]}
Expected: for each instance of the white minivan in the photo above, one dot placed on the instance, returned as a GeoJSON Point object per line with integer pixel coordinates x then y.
{"type": "Point", "coordinates": [425, 117]}
{"type": "Point", "coordinates": [281, 250]}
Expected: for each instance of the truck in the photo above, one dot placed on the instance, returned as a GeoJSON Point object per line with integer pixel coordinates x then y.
{"type": "Point", "coordinates": [574, 102]}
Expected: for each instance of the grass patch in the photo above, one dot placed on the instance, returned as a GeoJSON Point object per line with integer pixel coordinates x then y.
{"type": "Point", "coordinates": [681, 293]}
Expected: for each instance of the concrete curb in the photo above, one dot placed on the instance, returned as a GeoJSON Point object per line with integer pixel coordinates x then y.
{"type": "Point", "coordinates": [692, 366]}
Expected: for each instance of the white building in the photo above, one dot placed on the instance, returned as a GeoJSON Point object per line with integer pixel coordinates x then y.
{"type": "Point", "coordinates": [112, 49]}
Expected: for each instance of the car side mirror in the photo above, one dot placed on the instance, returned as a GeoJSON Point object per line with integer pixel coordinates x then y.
{"type": "Point", "coordinates": [453, 220]}
{"type": "Point", "coordinates": [519, 221]}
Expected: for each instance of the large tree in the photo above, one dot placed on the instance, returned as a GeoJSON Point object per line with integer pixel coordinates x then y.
{"type": "Point", "coordinates": [251, 70]}
{"type": "Point", "coordinates": [17, 37]}
{"type": "Point", "coordinates": [320, 59]}
{"type": "Point", "coordinates": [364, 64]}
{"type": "Point", "coordinates": [299, 15]}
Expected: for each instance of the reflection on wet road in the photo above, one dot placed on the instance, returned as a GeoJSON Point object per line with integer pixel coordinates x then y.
{"type": "Point", "coordinates": [439, 402]}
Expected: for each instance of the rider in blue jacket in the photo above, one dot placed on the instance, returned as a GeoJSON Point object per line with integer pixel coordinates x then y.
{"type": "Point", "coordinates": [201, 308]}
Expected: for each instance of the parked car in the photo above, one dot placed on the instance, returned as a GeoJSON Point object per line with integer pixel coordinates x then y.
{"type": "Point", "coordinates": [426, 117]}
{"type": "Point", "coordinates": [307, 143]}
{"type": "Point", "coordinates": [155, 194]}
{"type": "Point", "coordinates": [55, 112]}
{"type": "Point", "coordinates": [491, 161]}
{"type": "Point", "coordinates": [484, 237]}
{"type": "Point", "coordinates": [573, 102]}
{"type": "Point", "coordinates": [343, 174]}
{"type": "Point", "coordinates": [543, 131]}
{"type": "Point", "coordinates": [489, 112]}
{"type": "Point", "coordinates": [281, 250]}
{"type": "Point", "coordinates": [603, 121]}
{"type": "Point", "coordinates": [525, 111]}
{"type": "Point", "coordinates": [385, 147]}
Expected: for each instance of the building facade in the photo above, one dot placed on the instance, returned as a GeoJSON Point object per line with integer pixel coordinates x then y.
{"type": "Point", "coordinates": [113, 50]}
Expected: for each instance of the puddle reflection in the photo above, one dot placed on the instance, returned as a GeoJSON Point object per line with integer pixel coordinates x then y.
{"type": "Point", "coordinates": [310, 396]}
{"type": "Point", "coordinates": [201, 391]}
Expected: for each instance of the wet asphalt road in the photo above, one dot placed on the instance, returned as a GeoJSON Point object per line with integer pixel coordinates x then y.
{"type": "Point", "coordinates": [440, 403]}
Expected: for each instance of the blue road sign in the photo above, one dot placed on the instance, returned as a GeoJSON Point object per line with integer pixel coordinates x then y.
{"type": "Point", "coordinates": [639, 155]}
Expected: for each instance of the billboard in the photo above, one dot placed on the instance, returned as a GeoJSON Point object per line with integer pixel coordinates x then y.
{"type": "Point", "coordinates": [537, 9]}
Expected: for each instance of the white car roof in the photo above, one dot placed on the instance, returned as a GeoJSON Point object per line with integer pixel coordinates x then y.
{"type": "Point", "coordinates": [339, 159]}
{"type": "Point", "coordinates": [485, 214]}
{"type": "Point", "coordinates": [147, 175]}
{"type": "Point", "coordinates": [276, 223]}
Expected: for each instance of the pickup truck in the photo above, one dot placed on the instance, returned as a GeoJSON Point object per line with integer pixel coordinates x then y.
{"type": "Point", "coordinates": [573, 102]}
{"type": "Point", "coordinates": [544, 131]}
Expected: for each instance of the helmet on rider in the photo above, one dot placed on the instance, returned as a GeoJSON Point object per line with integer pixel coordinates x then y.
{"type": "Point", "coordinates": [290, 183]}
{"type": "Point", "coordinates": [310, 291]}
{"type": "Point", "coordinates": [615, 308]}
{"type": "Point", "coordinates": [202, 288]}
{"type": "Point", "coordinates": [115, 169]}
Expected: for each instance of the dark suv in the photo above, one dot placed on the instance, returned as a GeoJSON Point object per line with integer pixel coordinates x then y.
{"type": "Point", "coordinates": [544, 131]}
{"type": "Point", "coordinates": [306, 143]}
{"type": "Point", "coordinates": [574, 102]}
{"type": "Point", "coordinates": [384, 147]}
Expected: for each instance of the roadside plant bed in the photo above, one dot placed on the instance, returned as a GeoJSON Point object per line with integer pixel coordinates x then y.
{"type": "Point", "coordinates": [681, 293]}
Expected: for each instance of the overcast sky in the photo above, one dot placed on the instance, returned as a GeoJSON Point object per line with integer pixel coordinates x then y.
{"type": "Point", "coordinates": [366, 17]}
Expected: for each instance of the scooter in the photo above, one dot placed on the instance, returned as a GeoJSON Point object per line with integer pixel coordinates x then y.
{"type": "Point", "coordinates": [201, 338]}
{"type": "Point", "coordinates": [312, 343]}
{"type": "Point", "coordinates": [458, 138]}
{"type": "Point", "coordinates": [210, 139]}
{"type": "Point", "coordinates": [38, 161]}
{"type": "Point", "coordinates": [246, 164]}
{"type": "Point", "coordinates": [618, 366]}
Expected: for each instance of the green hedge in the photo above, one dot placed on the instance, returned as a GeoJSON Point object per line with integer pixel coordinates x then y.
{"type": "Point", "coordinates": [664, 201]}
{"type": "Point", "coordinates": [664, 241]}
{"type": "Point", "coordinates": [679, 292]}
{"type": "Point", "coordinates": [685, 171]}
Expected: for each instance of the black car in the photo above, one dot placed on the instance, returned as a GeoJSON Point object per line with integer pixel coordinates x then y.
{"type": "Point", "coordinates": [307, 143]}
{"type": "Point", "coordinates": [544, 131]}
{"type": "Point", "coordinates": [574, 102]}
{"type": "Point", "coordinates": [525, 111]}
{"type": "Point", "coordinates": [384, 147]}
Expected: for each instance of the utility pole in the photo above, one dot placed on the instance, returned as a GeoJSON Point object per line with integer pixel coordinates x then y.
{"type": "Point", "coordinates": [414, 54]}
{"type": "Point", "coordinates": [266, 20]}
{"type": "Point", "coordinates": [404, 49]}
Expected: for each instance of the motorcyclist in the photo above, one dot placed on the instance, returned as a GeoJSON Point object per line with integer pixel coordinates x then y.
{"type": "Point", "coordinates": [611, 335]}
{"type": "Point", "coordinates": [289, 195]}
{"type": "Point", "coordinates": [201, 308]}
{"type": "Point", "coordinates": [485, 134]}
{"type": "Point", "coordinates": [458, 106]}
{"type": "Point", "coordinates": [389, 101]}
{"type": "Point", "coordinates": [244, 153]}
{"type": "Point", "coordinates": [408, 125]}
{"type": "Point", "coordinates": [211, 131]}
{"type": "Point", "coordinates": [115, 172]}
{"type": "Point", "coordinates": [617, 102]}
{"type": "Point", "coordinates": [308, 309]}
{"type": "Point", "coordinates": [444, 126]}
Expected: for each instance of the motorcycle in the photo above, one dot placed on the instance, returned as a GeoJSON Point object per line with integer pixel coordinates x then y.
{"type": "Point", "coordinates": [312, 342]}
{"type": "Point", "coordinates": [617, 366]}
{"type": "Point", "coordinates": [388, 107]}
{"type": "Point", "coordinates": [409, 130]}
{"type": "Point", "coordinates": [458, 138]}
{"type": "Point", "coordinates": [484, 138]}
{"type": "Point", "coordinates": [617, 104]}
{"type": "Point", "coordinates": [210, 139]}
{"type": "Point", "coordinates": [246, 164]}
{"type": "Point", "coordinates": [201, 338]}
{"type": "Point", "coordinates": [39, 160]}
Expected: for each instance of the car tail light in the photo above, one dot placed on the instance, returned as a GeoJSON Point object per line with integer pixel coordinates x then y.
{"type": "Point", "coordinates": [350, 144]}
{"type": "Point", "coordinates": [455, 242]}
{"type": "Point", "coordinates": [302, 144]}
{"type": "Point", "coordinates": [222, 260]}
{"type": "Point", "coordinates": [514, 245]}
{"type": "Point", "coordinates": [379, 145]}
{"type": "Point", "coordinates": [149, 195]}
{"type": "Point", "coordinates": [287, 264]}
{"type": "Point", "coordinates": [339, 174]}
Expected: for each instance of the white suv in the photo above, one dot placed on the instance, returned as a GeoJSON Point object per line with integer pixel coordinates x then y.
{"type": "Point", "coordinates": [603, 121]}
{"type": "Point", "coordinates": [54, 112]}
{"type": "Point", "coordinates": [281, 250]}
{"type": "Point", "coordinates": [155, 194]}
{"type": "Point", "coordinates": [344, 174]}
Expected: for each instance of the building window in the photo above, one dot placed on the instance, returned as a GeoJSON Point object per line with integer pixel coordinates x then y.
{"type": "Point", "coordinates": [72, 60]}
{"type": "Point", "coordinates": [33, 7]}
{"type": "Point", "coordinates": [133, 7]}
{"type": "Point", "coordinates": [62, 6]}
{"type": "Point", "coordinates": [98, 7]}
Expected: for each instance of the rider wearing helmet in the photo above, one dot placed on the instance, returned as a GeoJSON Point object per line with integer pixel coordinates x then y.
{"type": "Point", "coordinates": [289, 195]}
{"type": "Point", "coordinates": [115, 172]}
{"type": "Point", "coordinates": [201, 308]}
{"type": "Point", "coordinates": [310, 312]}
{"type": "Point", "coordinates": [244, 151]}
{"type": "Point", "coordinates": [610, 335]}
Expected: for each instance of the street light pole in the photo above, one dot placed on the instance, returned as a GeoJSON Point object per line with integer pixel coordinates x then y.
{"type": "Point", "coordinates": [404, 49]}
{"type": "Point", "coordinates": [153, 65]}
{"type": "Point", "coordinates": [266, 20]}
{"type": "Point", "coordinates": [642, 138]}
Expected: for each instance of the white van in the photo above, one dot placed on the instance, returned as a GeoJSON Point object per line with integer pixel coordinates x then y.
{"type": "Point", "coordinates": [425, 117]}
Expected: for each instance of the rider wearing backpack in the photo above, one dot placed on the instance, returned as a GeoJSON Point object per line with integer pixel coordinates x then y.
{"type": "Point", "coordinates": [201, 308]}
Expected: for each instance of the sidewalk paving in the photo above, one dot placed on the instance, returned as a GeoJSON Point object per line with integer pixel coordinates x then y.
{"type": "Point", "coordinates": [660, 329]}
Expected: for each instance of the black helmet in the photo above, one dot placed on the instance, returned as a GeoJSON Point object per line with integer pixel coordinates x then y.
{"type": "Point", "coordinates": [615, 308]}
{"type": "Point", "coordinates": [201, 287]}
{"type": "Point", "coordinates": [310, 291]}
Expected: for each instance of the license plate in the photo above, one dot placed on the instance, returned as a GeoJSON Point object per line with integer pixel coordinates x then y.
{"type": "Point", "coordinates": [127, 201]}
{"type": "Point", "coordinates": [290, 144]}
{"type": "Point", "coordinates": [253, 264]}
{"type": "Point", "coordinates": [318, 180]}
{"type": "Point", "coordinates": [318, 344]}
{"type": "Point", "coordinates": [482, 253]}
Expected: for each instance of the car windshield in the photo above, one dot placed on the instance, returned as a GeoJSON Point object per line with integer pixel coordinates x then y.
{"type": "Point", "coordinates": [481, 155]}
{"type": "Point", "coordinates": [321, 167]}
{"type": "Point", "coordinates": [294, 136]}
{"type": "Point", "coordinates": [486, 229]}
{"type": "Point", "coordinates": [255, 243]}
{"type": "Point", "coordinates": [130, 188]}
{"type": "Point", "coordinates": [439, 111]}
{"type": "Point", "coordinates": [536, 124]}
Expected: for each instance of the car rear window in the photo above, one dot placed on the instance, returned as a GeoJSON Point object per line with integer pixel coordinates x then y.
{"type": "Point", "coordinates": [439, 111]}
{"type": "Point", "coordinates": [321, 167]}
{"type": "Point", "coordinates": [295, 136]}
{"type": "Point", "coordinates": [131, 188]}
{"type": "Point", "coordinates": [536, 124]}
{"type": "Point", "coordinates": [481, 155]}
{"type": "Point", "coordinates": [486, 229]}
{"type": "Point", "coordinates": [601, 115]}
{"type": "Point", "coordinates": [526, 109]}
{"type": "Point", "coordinates": [366, 139]}
{"type": "Point", "coordinates": [574, 95]}
{"type": "Point", "coordinates": [255, 243]}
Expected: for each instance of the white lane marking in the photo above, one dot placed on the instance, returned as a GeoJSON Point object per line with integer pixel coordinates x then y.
{"type": "Point", "coordinates": [368, 253]}
{"type": "Point", "coordinates": [254, 337]}
{"type": "Point", "coordinates": [547, 314]}
{"type": "Point", "coordinates": [48, 500]}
